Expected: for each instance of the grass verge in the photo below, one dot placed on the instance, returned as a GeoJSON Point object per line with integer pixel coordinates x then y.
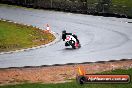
{"type": "Point", "coordinates": [75, 85]}
{"type": "Point", "coordinates": [122, 7]}
{"type": "Point", "coordinates": [17, 36]}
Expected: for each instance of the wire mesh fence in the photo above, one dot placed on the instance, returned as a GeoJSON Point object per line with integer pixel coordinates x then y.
{"type": "Point", "coordinates": [80, 6]}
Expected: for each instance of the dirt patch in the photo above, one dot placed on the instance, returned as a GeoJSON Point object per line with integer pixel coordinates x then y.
{"type": "Point", "coordinates": [56, 74]}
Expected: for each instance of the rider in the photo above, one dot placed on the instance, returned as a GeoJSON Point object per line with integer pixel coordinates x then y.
{"type": "Point", "coordinates": [64, 36]}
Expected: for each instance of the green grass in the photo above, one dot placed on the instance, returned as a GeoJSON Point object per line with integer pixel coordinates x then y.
{"type": "Point", "coordinates": [127, 3]}
{"type": "Point", "coordinates": [16, 36]}
{"type": "Point", "coordinates": [119, 7]}
{"type": "Point", "coordinates": [75, 85]}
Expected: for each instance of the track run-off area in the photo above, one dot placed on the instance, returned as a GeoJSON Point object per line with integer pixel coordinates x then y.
{"type": "Point", "coordinates": [101, 38]}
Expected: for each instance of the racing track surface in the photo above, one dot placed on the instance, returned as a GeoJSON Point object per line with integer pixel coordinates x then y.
{"type": "Point", "coordinates": [102, 38]}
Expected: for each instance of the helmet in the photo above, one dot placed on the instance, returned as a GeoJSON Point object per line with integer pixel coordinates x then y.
{"type": "Point", "coordinates": [64, 31]}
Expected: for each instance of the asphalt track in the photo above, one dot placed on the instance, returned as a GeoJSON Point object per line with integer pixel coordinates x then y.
{"type": "Point", "coordinates": [101, 38]}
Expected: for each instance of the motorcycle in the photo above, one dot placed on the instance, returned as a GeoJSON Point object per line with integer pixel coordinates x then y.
{"type": "Point", "coordinates": [70, 40]}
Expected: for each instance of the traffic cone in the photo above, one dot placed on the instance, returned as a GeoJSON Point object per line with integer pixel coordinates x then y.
{"type": "Point", "coordinates": [48, 28]}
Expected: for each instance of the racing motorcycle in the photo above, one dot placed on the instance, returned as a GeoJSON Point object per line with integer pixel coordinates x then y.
{"type": "Point", "coordinates": [70, 40]}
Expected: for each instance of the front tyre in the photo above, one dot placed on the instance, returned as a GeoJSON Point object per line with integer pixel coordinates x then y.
{"type": "Point", "coordinates": [72, 43]}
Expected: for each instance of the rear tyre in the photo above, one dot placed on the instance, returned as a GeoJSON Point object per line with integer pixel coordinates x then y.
{"type": "Point", "coordinates": [73, 47]}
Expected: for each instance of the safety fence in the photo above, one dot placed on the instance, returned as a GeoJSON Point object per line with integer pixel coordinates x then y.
{"type": "Point", "coordinates": [96, 7]}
